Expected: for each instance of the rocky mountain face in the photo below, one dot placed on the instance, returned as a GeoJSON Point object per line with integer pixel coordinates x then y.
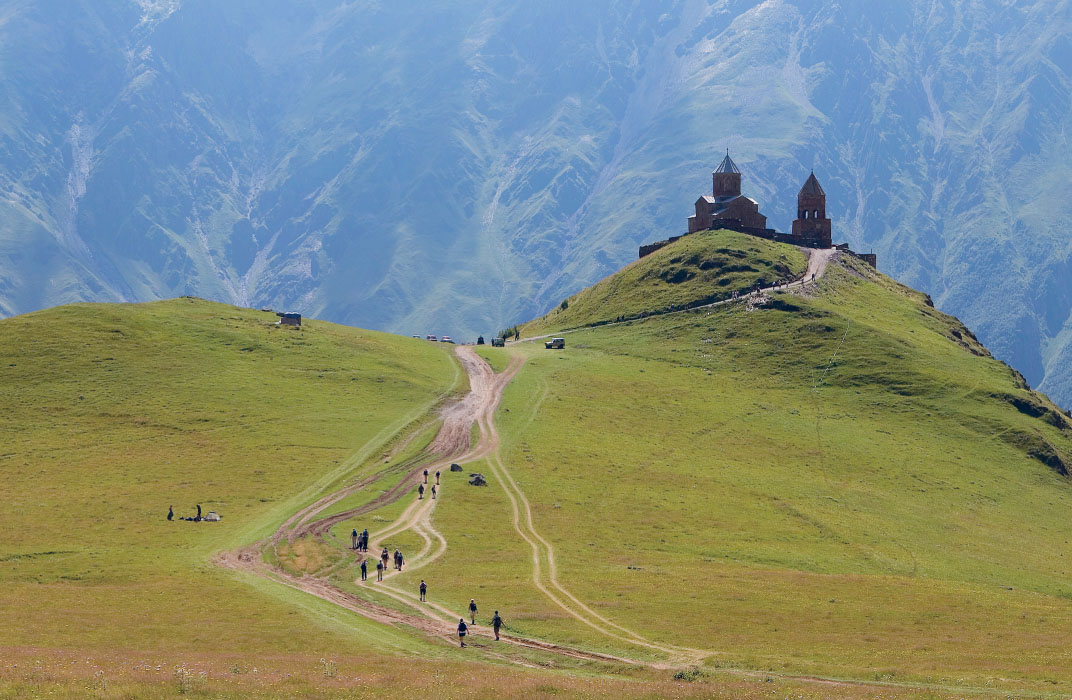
{"type": "Point", "coordinates": [450, 167]}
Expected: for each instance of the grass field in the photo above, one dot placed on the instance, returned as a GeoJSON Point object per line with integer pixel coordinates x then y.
{"type": "Point", "coordinates": [113, 413]}
{"type": "Point", "coordinates": [838, 483]}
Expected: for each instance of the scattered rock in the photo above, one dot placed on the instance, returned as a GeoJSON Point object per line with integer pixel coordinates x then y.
{"type": "Point", "coordinates": [455, 467]}
{"type": "Point", "coordinates": [477, 480]}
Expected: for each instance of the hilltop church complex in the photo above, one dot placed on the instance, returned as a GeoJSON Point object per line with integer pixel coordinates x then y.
{"type": "Point", "coordinates": [727, 208]}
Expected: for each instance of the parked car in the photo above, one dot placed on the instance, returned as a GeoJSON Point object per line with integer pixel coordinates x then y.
{"type": "Point", "coordinates": [417, 337]}
{"type": "Point", "coordinates": [555, 344]}
{"type": "Point", "coordinates": [498, 342]}
{"type": "Point", "coordinates": [431, 338]}
{"type": "Point", "coordinates": [447, 339]}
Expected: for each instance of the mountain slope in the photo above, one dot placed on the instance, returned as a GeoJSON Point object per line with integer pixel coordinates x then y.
{"type": "Point", "coordinates": [841, 481]}
{"type": "Point", "coordinates": [456, 169]}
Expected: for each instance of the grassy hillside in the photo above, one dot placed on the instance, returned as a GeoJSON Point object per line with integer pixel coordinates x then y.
{"type": "Point", "coordinates": [837, 481]}
{"type": "Point", "coordinates": [113, 413]}
{"type": "Point", "coordinates": [698, 269]}
{"type": "Point", "coordinates": [841, 482]}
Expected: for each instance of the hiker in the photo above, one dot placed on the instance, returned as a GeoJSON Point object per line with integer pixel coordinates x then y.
{"type": "Point", "coordinates": [496, 623]}
{"type": "Point", "coordinates": [472, 610]}
{"type": "Point", "coordinates": [384, 557]}
{"type": "Point", "coordinates": [198, 518]}
{"type": "Point", "coordinates": [364, 540]}
{"type": "Point", "coordinates": [426, 476]}
{"type": "Point", "coordinates": [379, 571]}
{"type": "Point", "coordinates": [517, 334]}
{"type": "Point", "coordinates": [364, 569]}
{"type": "Point", "coordinates": [354, 539]}
{"type": "Point", "coordinates": [170, 513]}
{"type": "Point", "coordinates": [420, 492]}
{"type": "Point", "coordinates": [437, 477]}
{"type": "Point", "coordinates": [400, 561]}
{"type": "Point", "coordinates": [424, 591]}
{"type": "Point", "coordinates": [433, 491]}
{"type": "Point", "coordinates": [463, 629]}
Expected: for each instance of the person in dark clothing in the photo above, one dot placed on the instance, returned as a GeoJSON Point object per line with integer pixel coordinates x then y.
{"type": "Point", "coordinates": [496, 623]}
{"type": "Point", "coordinates": [385, 557]}
{"type": "Point", "coordinates": [472, 610]}
{"type": "Point", "coordinates": [424, 590]}
{"type": "Point", "coordinates": [364, 569]}
{"type": "Point", "coordinates": [170, 513]}
{"type": "Point", "coordinates": [463, 630]}
{"type": "Point", "coordinates": [364, 540]}
{"type": "Point", "coordinates": [379, 571]}
{"type": "Point", "coordinates": [437, 478]}
{"type": "Point", "coordinates": [420, 492]}
{"type": "Point", "coordinates": [354, 540]}
{"type": "Point", "coordinates": [426, 476]}
{"type": "Point", "coordinates": [517, 334]}
{"type": "Point", "coordinates": [198, 518]}
{"type": "Point", "coordinates": [433, 491]}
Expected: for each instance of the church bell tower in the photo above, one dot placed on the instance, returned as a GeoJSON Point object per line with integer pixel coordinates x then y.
{"type": "Point", "coordinates": [726, 180]}
{"type": "Point", "coordinates": [811, 222]}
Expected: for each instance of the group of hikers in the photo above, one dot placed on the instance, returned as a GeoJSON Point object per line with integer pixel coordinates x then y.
{"type": "Point", "coordinates": [434, 489]}
{"type": "Point", "coordinates": [211, 517]}
{"type": "Point", "coordinates": [359, 541]}
{"type": "Point", "coordinates": [361, 545]}
{"type": "Point", "coordinates": [463, 628]}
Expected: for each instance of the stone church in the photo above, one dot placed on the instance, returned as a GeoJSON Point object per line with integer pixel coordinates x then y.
{"type": "Point", "coordinates": [727, 208]}
{"type": "Point", "coordinates": [726, 204]}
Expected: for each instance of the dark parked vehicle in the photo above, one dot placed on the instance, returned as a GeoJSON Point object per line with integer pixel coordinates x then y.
{"type": "Point", "coordinates": [498, 342]}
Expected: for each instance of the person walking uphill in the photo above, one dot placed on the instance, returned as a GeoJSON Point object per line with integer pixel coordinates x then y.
{"type": "Point", "coordinates": [420, 492]}
{"type": "Point", "coordinates": [496, 623]}
{"type": "Point", "coordinates": [379, 571]}
{"type": "Point", "coordinates": [437, 478]}
{"type": "Point", "coordinates": [424, 591]}
{"type": "Point", "coordinates": [354, 540]}
{"type": "Point", "coordinates": [463, 630]}
{"type": "Point", "coordinates": [385, 557]}
{"type": "Point", "coordinates": [472, 610]}
{"type": "Point", "coordinates": [364, 569]}
{"type": "Point", "coordinates": [426, 476]}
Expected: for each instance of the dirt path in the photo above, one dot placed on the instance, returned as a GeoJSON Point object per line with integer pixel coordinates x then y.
{"type": "Point", "coordinates": [435, 620]}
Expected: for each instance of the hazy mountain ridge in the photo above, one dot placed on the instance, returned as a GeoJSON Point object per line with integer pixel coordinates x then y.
{"type": "Point", "coordinates": [457, 168]}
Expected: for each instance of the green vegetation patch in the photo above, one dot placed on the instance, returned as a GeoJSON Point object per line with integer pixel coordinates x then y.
{"type": "Point", "coordinates": [111, 413]}
{"type": "Point", "coordinates": [698, 269]}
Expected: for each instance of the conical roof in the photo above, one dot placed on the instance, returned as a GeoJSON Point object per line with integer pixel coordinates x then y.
{"type": "Point", "coordinates": [727, 165]}
{"type": "Point", "coordinates": [811, 187]}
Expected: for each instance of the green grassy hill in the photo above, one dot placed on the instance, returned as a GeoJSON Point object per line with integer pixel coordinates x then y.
{"type": "Point", "coordinates": [698, 269]}
{"type": "Point", "coordinates": [111, 413]}
{"type": "Point", "coordinates": [840, 482]}
{"type": "Point", "coordinates": [836, 481]}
